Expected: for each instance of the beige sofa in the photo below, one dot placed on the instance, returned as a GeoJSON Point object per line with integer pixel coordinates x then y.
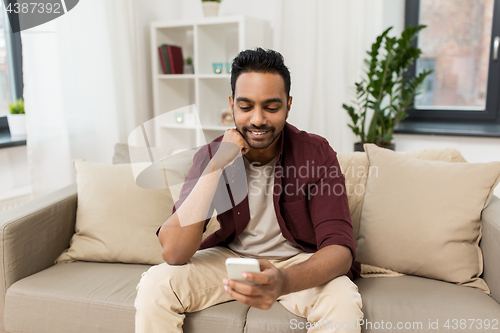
{"type": "Point", "coordinates": [38, 296]}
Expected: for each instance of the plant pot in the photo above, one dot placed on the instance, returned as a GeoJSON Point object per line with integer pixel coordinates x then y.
{"type": "Point", "coordinates": [188, 69]}
{"type": "Point", "coordinates": [210, 8]}
{"type": "Point", "coordinates": [17, 124]}
{"type": "Point", "coordinates": [359, 147]}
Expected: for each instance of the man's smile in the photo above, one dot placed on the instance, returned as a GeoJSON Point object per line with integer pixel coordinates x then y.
{"type": "Point", "coordinates": [258, 134]}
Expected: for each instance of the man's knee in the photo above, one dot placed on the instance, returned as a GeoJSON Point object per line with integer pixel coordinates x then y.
{"type": "Point", "coordinates": [162, 278]}
{"type": "Point", "coordinates": [343, 291]}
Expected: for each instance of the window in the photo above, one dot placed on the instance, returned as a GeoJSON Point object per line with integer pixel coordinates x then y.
{"type": "Point", "coordinates": [11, 75]}
{"type": "Point", "coordinates": [460, 44]}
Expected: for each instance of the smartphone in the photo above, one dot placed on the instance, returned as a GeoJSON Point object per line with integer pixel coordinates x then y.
{"type": "Point", "coordinates": [236, 266]}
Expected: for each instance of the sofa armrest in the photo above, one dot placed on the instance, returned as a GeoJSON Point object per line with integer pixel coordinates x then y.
{"type": "Point", "coordinates": [490, 245]}
{"type": "Point", "coordinates": [33, 235]}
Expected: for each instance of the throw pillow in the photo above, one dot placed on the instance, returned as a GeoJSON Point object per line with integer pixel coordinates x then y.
{"type": "Point", "coordinates": [355, 165]}
{"type": "Point", "coordinates": [422, 217]}
{"type": "Point", "coordinates": [178, 167]}
{"type": "Point", "coordinates": [116, 220]}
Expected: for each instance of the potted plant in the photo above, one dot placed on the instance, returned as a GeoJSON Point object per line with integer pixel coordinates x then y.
{"type": "Point", "coordinates": [210, 7]}
{"type": "Point", "coordinates": [385, 89]}
{"type": "Point", "coordinates": [16, 118]}
{"type": "Point", "coordinates": [188, 66]}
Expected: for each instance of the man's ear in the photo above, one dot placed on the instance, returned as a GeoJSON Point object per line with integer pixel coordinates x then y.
{"type": "Point", "coordinates": [231, 103]}
{"type": "Point", "coordinates": [288, 106]}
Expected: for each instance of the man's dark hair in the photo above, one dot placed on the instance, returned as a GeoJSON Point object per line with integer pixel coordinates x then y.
{"type": "Point", "coordinates": [260, 61]}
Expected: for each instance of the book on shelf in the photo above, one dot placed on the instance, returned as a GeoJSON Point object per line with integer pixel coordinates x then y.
{"type": "Point", "coordinates": [162, 60]}
{"type": "Point", "coordinates": [175, 59]}
{"type": "Point", "coordinates": [171, 59]}
{"type": "Point", "coordinates": [165, 57]}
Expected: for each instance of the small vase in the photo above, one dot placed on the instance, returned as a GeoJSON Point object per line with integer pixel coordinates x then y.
{"type": "Point", "coordinates": [210, 8]}
{"type": "Point", "coordinates": [188, 69]}
{"type": "Point", "coordinates": [358, 146]}
{"type": "Point", "coordinates": [17, 124]}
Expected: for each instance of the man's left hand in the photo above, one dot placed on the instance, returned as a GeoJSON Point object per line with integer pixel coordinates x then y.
{"type": "Point", "coordinates": [272, 285]}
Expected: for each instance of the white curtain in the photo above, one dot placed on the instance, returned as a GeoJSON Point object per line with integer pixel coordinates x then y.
{"type": "Point", "coordinates": [324, 44]}
{"type": "Point", "coordinates": [80, 89]}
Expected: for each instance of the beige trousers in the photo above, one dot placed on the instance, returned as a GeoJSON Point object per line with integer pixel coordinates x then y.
{"type": "Point", "coordinates": [166, 292]}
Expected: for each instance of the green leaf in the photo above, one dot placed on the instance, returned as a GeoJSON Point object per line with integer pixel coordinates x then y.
{"type": "Point", "coordinates": [354, 129]}
{"type": "Point", "coordinates": [384, 87]}
{"type": "Point", "coordinates": [17, 107]}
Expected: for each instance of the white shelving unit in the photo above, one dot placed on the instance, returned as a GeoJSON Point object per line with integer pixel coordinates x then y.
{"type": "Point", "coordinates": [206, 41]}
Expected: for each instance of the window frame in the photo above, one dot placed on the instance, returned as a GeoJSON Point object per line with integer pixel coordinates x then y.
{"type": "Point", "coordinates": [491, 114]}
{"type": "Point", "coordinates": [16, 54]}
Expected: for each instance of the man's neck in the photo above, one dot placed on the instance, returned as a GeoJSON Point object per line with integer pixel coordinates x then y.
{"type": "Point", "coordinates": [264, 156]}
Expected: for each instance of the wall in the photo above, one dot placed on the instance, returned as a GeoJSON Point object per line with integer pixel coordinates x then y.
{"type": "Point", "coordinates": [14, 177]}
{"type": "Point", "coordinates": [146, 12]}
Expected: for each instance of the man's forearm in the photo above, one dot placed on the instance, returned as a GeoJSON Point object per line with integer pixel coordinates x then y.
{"type": "Point", "coordinates": [180, 235]}
{"type": "Point", "coordinates": [323, 266]}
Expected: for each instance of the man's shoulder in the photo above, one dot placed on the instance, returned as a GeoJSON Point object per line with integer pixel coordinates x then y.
{"type": "Point", "coordinates": [303, 140]}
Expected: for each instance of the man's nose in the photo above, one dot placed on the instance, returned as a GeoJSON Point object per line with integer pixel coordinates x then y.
{"type": "Point", "coordinates": [258, 118]}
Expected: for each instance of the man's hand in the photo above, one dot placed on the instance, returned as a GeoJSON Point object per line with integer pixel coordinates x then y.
{"type": "Point", "coordinates": [231, 146]}
{"type": "Point", "coordinates": [234, 136]}
{"type": "Point", "coordinates": [272, 285]}
{"type": "Point", "coordinates": [323, 266]}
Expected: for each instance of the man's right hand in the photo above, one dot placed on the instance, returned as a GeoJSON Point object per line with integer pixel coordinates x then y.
{"type": "Point", "coordinates": [227, 153]}
{"type": "Point", "coordinates": [232, 135]}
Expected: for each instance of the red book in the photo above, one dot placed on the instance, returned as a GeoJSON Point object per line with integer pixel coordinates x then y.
{"type": "Point", "coordinates": [162, 60]}
{"type": "Point", "coordinates": [175, 59]}
{"type": "Point", "coordinates": [165, 58]}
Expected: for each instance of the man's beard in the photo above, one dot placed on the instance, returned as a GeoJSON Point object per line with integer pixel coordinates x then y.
{"type": "Point", "coordinates": [260, 144]}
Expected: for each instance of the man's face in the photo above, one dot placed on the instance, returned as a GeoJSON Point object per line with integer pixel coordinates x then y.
{"type": "Point", "coordinates": [260, 108]}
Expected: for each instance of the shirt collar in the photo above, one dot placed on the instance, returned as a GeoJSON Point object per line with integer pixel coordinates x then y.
{"type": "Point", "coordinates": [281, 142]}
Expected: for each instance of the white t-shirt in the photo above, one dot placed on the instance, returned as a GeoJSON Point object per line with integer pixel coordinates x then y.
{"type": "Point", "coordinates": [262, 237]}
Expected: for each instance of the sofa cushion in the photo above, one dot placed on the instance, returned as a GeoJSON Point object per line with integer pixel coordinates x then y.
{"type": "Point", "coordinates": [75, 297]}
{"type": "Point", "coordinates": [98, 297]}
{"type": "Point", "coordinates": [409, 299]}
{"type": "Point", "coordinates": [423, 217]}
{"type": "Point", "coordinates": [116, 220]}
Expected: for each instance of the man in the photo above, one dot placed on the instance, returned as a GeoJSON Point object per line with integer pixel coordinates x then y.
{"type": "Point", "coordinates": [295, 218]}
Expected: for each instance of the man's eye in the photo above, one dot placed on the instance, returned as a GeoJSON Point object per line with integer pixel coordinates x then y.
{"type": "Point", "coordinates": [273, 109]}
{"type": "Point", "coordinates": [245, 107]}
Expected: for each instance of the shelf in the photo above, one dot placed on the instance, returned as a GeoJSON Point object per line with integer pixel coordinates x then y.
{"type": "Point", "coordinates": [206, 40]}
{"type": "Point", "coordinates": [174, 94]}
{"type": "Point", "coordinates": [214, 76]}
{"type": "Point", "coordinates": [203, 127]}
{"type": "Point", "coordinates": [217, 20]}
{"type": "Point", "coordinates": [219, 43]}
{"type": "Point", "coordinates": [175, 76]}
{"type": "Point", "coordinates": [192, 76]}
